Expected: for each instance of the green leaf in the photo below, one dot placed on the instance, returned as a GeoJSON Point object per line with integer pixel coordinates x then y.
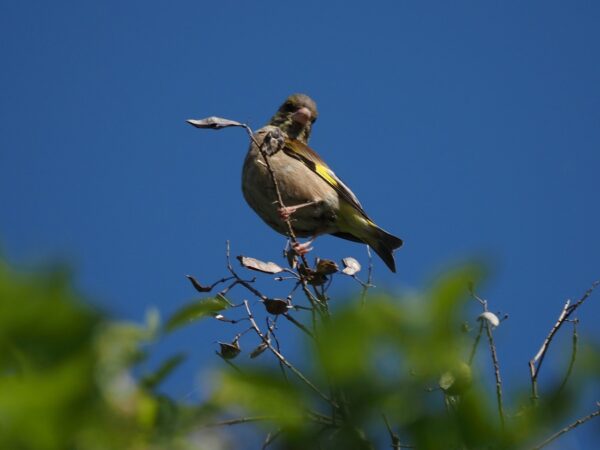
{"type": "Point", "coordinates": [152, 380]}
{"type": "Point", "coordinates": [196, 311]}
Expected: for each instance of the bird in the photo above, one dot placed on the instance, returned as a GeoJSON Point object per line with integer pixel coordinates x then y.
{"type": "Point", "coordinates": [315, 199]}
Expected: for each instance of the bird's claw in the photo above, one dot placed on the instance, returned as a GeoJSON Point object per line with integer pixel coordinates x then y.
{"type": "Point", "coordinates": [286, 212]}
{"type": "Point", "coordinates": [302, 249]}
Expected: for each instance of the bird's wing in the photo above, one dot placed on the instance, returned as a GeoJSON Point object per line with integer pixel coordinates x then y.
{"type": "Point", "coordinates": [313, 161]}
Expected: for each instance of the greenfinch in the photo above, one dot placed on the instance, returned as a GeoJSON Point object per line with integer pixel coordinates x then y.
{"type": "Point", "coordinates": [315, 200]}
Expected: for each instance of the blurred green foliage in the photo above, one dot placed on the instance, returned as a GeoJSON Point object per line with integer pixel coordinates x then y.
{"type": "Point", "coordinates": [386, 374]}
{"type": "Point", "coordinates": [65, 374]}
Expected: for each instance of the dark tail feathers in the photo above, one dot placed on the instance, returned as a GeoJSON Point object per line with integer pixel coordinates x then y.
{"type": "Point", "coordinates": [384, 244]}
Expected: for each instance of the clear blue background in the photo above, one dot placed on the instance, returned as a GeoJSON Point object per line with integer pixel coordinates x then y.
{"type": "Point", "coordinates": [470, 129]}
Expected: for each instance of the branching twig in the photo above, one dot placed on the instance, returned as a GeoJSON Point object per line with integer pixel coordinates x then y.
{"type": "Point", "coordinates": [283, 360]}
{"type": "Point", "coordinates": [536, 363]}
{"type": "Point", "coordinates": [393, 436]}
{"type": "Point", "coordinates": [569, 428]}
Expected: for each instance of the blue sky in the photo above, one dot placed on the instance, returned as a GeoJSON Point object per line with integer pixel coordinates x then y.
{"type": "Point", "coordinates": [469, 129]}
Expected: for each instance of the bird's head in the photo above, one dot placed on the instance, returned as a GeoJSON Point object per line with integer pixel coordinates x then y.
{"type": "Point", "coordinates": [296, 116]}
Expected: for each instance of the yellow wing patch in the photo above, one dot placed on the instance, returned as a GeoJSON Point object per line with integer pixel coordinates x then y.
{"type": "Point", "coordinates": [324, 172]}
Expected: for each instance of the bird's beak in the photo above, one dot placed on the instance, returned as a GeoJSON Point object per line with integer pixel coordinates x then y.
{"type": "Point", "coordinates": [302, 116]}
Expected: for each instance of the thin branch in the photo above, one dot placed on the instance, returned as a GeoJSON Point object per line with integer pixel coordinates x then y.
{"type": "Point", "coordinates": [368, 284]}
{"type": "Point", "coordinates": [393, 436]}
{"type": "Point", "coordinates": [239, 420]}
{"type": "Point", "coordinates": [298, 324]}
{"type": "Point", "coordinates": [476, 343]}
{"type": "Point", "coordinates": [494, 354]}
{"type": "Point", "coordinates": [270, 438]}
{"type": "Point", "coordinates": [488, 329]}
{"type": "Point", "coordinates": [283, 360]}
{"type": "Point", "coordinates": [573, 356]}
{"type": "Point", "coordinates": [239, 280]}
{"type": "Point", "coordinates": [569, 428]}
{"type": "Point", "coordinates": [536, 363]}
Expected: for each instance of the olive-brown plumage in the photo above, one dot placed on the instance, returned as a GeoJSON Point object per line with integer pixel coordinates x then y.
{"type": "Point", "coordinates": [315, 199]}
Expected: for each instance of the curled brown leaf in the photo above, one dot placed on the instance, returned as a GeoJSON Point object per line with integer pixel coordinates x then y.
{"type": "Point", "coordinates": [259, 266]}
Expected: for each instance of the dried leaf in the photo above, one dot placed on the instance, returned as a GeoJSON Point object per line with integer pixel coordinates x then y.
{"type": "Point", "coordinates": [351, 266]}
{"type": "Point", "coordinates": [260, 266]}
{"type": "Point", "coordinates": [230, 351]}
{"type": "Point", "coordinates": [276, 306]}
{"type": "Point", "coordinates": [311, 276]}
{"type": "Point", "coordinates": [258, 350]}
{"type": "Point", "coordinates": [197, 285]}
{"type": "Point", "coordinates": [214, 123]}
{"type": "Point", "coordinates": [196, 311]}
{"type": "Point", "coordinates": [326, 267]}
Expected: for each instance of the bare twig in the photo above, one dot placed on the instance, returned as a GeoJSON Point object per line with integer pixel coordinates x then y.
{"type": "Point", "coordinates": [239, 420]}
{"type": "Point", "coordinates": [271, 436]}
{"type": "Point", "coordinates": [368, 284]}
{"type": "Point", "coordinates": [283, 360]}
{"type": "Point", "coordinates": [488, 329]}
{"type": "Point", "coordinates": [239, 280]}
{"type": "Point", "coordinates": [298, 324]}
{"type": "Point", "coordinates": [573, 356]}
{"type": "Point", "coordinates": [536, 363]}
{"type": "Point", "coordinates": [476, 343]}
{"type": "Point", "coordinates": [569, 427]}
{"type": "Point", "coordinates": [493, 352]}
{"type": "Point", "coordinates": [393, 436]}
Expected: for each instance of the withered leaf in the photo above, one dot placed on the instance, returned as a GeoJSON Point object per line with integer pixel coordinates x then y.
{"type": "Point", "coordinates": [312, 276]}
{"type": "Point", "coordinates": [260, 266]}
{"type": "Point", "coordinates": [214, 123]}
{"type": "Point", "coordinates": [276, 306]}
{"type": "Point", "coordinates": [229, 351]}
{"type": "Point", "coordinates": [351, 266]}
{"type": "Point", "coordinates": [258, 350]}
{"type": "Point", "coordinates": [326, 267]}
{"type": "Point", "coordinates": [197, 284]}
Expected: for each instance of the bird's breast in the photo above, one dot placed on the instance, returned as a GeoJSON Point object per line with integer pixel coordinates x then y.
{"type": "Point", "coordinates": [297, 184]}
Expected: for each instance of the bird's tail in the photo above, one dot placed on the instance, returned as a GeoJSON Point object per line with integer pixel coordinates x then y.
{"type": "Point", "coordinates": [384, 244]}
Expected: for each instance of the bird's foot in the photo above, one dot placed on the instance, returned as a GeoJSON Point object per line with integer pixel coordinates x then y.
{"type": "Point", "coordinates": [286, 212]}
{"type": "Point", "coordinates": [302, 249]}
